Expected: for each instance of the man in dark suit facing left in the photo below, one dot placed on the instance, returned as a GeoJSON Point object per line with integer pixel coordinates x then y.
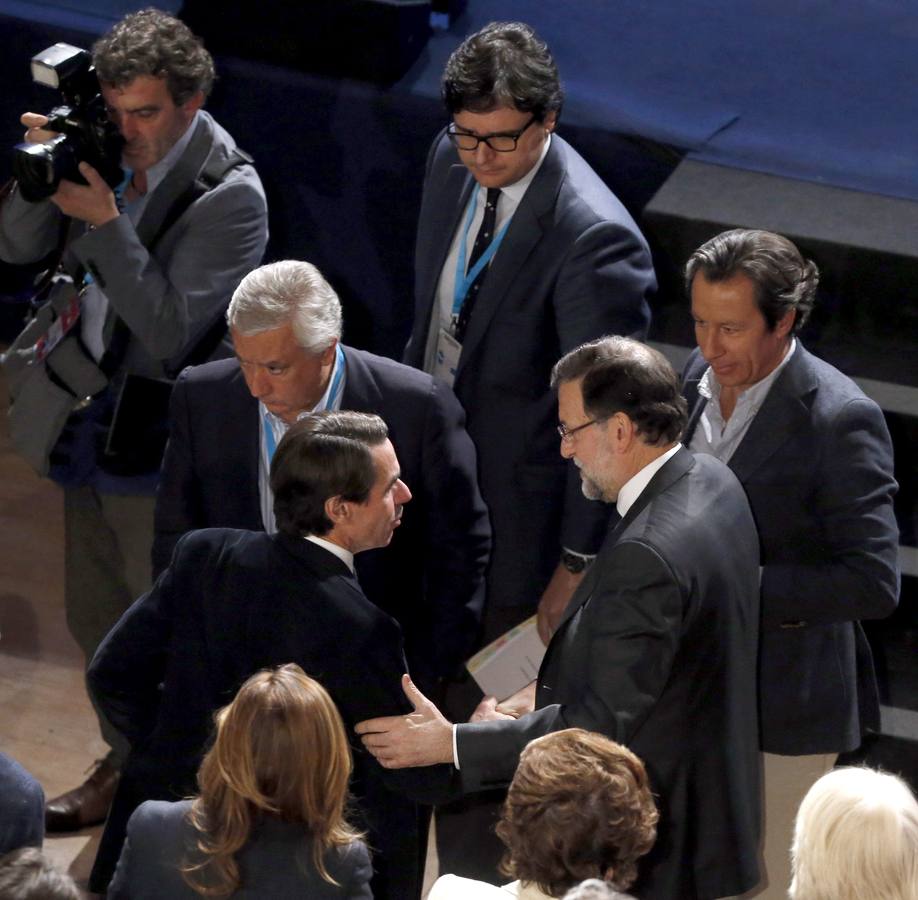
{"type": "Point", "coordinates": [656, 649]}
{"type": "Point", "coordinates": [815, 457]}
{"type": "Point", "coordinates": [522, 254]}
{"type": "Point", "coordinates": [227, 417]}
{"type": "Point", "coordinates": [233, 602]}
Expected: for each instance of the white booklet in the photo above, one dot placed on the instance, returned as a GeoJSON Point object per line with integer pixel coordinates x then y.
{"type": "Point", "coordinates": [508, 664]}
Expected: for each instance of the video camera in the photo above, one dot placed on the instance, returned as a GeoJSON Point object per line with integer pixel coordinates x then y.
{"type": "Point", "coordinates": [84, 132]}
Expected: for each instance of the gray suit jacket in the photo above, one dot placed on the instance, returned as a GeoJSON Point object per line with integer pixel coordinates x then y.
{"type": "Point", "coordinates": [656, 650]}
{"type": "Point", "coordinates": [168, 296]}
{"type": "Point", "coordinates": [817, 467]}
{"type": "Point", "coordinates": [573, 266]}
{"type": "Point", "coordinates": [275, 864]}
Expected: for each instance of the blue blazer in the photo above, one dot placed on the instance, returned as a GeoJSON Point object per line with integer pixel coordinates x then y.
{"type": "Point", "coordinates": [572, 267]}
{"type": "Point", "coordinates": [232, 603]}
{"type": "Point", "coordinates": [656, 650]}
{"type": "Point", "coordinates": [22, 807]}
{"type": "Point", "coordinates": [275, 864]}
{"type": "Point", "coordinates": [817, 466]}
{"type": "Point", "coordinates": [430, 578]}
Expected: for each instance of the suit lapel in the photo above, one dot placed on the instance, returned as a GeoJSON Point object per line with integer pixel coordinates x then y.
{"type": "Point", "coordinates": [447, 217]}
{"type": "Point", "coordinates": [361, 393]}
{"type": "Point", "coordinates": [250, 438]}
{"type": "Point", "coordinates": [671, 472]}
{"type": "Point", "coordinates": [691, 379]}
{"type": "Point", "coordinates": [523, 235]}
{"type": "Point", "coordinates": [781, 416]}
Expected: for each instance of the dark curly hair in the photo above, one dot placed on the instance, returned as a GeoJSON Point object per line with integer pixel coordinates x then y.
{"type": "Point", "coordinates": [151, 42]}
{"type": "Point", "coordinates": [579, 807]}
{"type": "Point", "coordinates": [623, 375]}
{"type": "Point", "coordinates": [783, 279]}
{"type": "Point", "coordinates": [504, 64]}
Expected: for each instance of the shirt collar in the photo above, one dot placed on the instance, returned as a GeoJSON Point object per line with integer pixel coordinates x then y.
{"type": "Point", "coordinates": [344, 555]}
{"type": "Point", "coordinates": [157, 172]}
{"type": "Point", "coordinates": [709, 387]}
{"type": "Point", "coordinates": [634, 486]}
{"type": "Point", "coordinates": [514, 192]}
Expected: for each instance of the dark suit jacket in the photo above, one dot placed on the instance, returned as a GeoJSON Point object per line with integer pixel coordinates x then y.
{"type": "Point", "coordinates": [657, 651]}
{"type": "Point", "coordinates": [817, 467]}
{"type": "Point", "coordinates": [232, 603]}
{"type": "Point", "coordinates": [275, 864]}
{"type": "Point", "coordinates": [430, 578]}
{"type": "Point", "coordinates": [573, 266]}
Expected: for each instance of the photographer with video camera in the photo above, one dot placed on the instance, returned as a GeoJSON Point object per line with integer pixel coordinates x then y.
{"type": "Point", "coordinates": [157, 216]}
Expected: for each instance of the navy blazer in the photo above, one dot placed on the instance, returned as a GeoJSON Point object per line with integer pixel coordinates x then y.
{"type": "Point", "coordinates": [817, 466]}
{"type": "Point", "coordinates": [656, 650]}
{"type": "Point", "coordinates": [430, 578]}
{"type": "Point", "coordinates": [572, 267]}
{"type": "Point", "coordinates": [22, 807]}
{"type": "Point", "coordinates": [275, 864]}
{"type": "Point", "coordinates": [232, 603]}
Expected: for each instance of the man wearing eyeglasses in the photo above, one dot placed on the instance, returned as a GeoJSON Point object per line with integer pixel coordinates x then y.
{"type": "Point", "coordinates": [522, 254]}
{"type": "Point", "coordinates": [657, 649]}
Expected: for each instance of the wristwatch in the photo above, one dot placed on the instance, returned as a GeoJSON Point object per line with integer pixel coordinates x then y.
{"type": "Point", "coordinates": [575, 563]}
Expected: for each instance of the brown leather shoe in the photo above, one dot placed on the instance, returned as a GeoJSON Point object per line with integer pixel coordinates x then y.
{"type": "Point", "coordinates": [86, 805]}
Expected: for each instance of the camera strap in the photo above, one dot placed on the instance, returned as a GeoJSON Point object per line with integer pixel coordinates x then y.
{"type": "Point", "coordinates": [200, 169]}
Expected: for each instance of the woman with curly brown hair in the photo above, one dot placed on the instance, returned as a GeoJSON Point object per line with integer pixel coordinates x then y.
{"type": "Point", "coordinates": [579, 807]}
{"type": "Point", "coordinates": [270, 819]}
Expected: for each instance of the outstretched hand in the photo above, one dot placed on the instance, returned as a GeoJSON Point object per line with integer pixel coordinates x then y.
{"type": "Point", "coordinates": [421, 738]}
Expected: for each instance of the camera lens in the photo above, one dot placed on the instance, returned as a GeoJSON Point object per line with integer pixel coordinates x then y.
{"type": "Point", "coordinates": [39, 167]}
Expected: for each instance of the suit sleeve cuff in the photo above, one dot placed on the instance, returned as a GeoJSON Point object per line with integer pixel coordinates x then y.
{"type": "Point", "coordinates": [455, 746]}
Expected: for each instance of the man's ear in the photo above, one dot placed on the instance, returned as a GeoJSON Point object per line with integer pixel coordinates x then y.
{"type": "Point", "coordinates": [193, 103]}
{"type": "Point", "coordinates": [338, 510]}
{"type": "Point", "coordinates": [621, 430]}
{"type": "Point", "coordinates": [328, 354]}
{"type": "Point", "coordinates": [785, 324]}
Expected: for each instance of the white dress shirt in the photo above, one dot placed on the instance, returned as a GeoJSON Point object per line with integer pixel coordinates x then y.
{"type": "Point", "coordinates": [510, 198]}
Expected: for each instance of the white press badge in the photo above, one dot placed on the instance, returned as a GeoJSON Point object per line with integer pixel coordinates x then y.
{"type": "Point", "coordinates": [446, 359]}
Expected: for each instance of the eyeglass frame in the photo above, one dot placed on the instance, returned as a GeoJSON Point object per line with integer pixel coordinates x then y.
{"type": "Point", "coordinates": [486, 139]}
{"type": "Point", "coordinates": [567, 434]}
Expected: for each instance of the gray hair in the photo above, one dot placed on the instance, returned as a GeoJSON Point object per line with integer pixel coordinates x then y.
{"type": "Point", "coordinates": [287, 292]}
{"type": "Point", "coordinates": [27, 874]}
{"type": "Point", "coordinates": [856, 836]}
{"type": "Point", "coordinates": [594, 889]}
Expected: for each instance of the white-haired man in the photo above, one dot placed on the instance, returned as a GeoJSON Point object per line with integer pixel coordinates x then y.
{"type": "Point", "coordinates": [227, 417]}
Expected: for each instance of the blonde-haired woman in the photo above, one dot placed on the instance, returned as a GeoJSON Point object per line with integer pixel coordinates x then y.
{"type": "Point", "coordinates": [270, 819]}
{"type": "Point", "coordinates": [856, 838]}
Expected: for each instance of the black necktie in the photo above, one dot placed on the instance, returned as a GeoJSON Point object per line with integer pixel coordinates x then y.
{"type": "Point", "coordinates": [482, 241]}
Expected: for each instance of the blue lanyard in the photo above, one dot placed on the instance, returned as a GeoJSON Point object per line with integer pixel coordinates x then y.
{"type": "Point", "coordinates": [464, 280]}
{"type": "Point", "coordinates": [334, 402]}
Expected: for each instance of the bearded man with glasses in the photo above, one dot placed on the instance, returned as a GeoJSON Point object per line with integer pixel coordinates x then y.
{"type": "Point", "coordinates": [522, 254]}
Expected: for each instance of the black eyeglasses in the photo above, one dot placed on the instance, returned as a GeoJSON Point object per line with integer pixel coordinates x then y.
{"type": "Point", "coordinates": [502, 142]}
{"type": "Point", "coordinates": [567, 434]}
